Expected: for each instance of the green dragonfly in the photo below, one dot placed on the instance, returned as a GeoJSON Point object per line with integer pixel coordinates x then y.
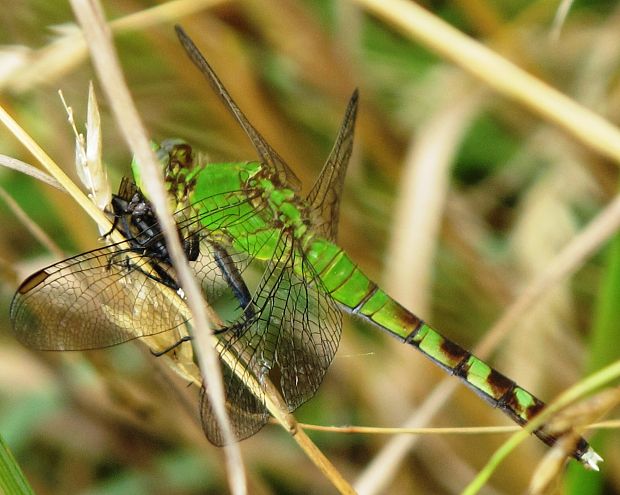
{"type": "Point", "coordinates": [268, 259]}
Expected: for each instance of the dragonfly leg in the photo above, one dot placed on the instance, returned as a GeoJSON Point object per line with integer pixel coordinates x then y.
{"type": "Point", "coordinates": [233, 279]}
{"type": "Point", "coordinates": [223, 330]}
{"type": "Point", "coordinates": [236, 328]}
{"type": "Point", "coordinates": [119, 215]}
{"type": "Point", "coordinates": [231, 274]}
{"type": "Point", "coordinates": [112, 229]}
{"type": "Point", "coordinates": [161, 275]}
{"type": "Point", "coordinates": [171, 347]}
{"type": "Point", "coordinates": [187, 338]}
{"type": "Point", "coordinates": [191, 246]}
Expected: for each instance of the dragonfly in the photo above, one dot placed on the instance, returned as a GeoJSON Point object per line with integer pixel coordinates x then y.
{"type": "Point", "coordinates": [268, 256]}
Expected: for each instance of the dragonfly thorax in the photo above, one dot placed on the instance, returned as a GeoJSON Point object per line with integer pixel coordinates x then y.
{"type": "Point", "coordinates": [287, 207]}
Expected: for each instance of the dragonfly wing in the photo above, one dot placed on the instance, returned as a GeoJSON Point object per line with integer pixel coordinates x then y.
{"type": "Point", "coordinates": [116, 293]}
{"type": "Point", "coordinates": [96, 299]}
{"type": "Point", "coordinates": [246, 411]}
{"type": "Point", "coordinates": [297, 326]}
{"type": "Point", "coordinates": [267, 154]}
{"type": "Point", "coordinates": [290, 339]}
{"type": "Point", "coordinates": [324, 197]}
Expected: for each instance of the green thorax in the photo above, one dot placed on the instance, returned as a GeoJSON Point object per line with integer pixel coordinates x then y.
{"type": "Point", "coordinates": [240, 203]}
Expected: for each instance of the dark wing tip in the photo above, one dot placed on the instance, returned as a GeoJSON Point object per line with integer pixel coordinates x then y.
{"type": "Point", "coordinates": [180, 31]}
{"type": "Point", "coordinates": [353, 101]}
{"type": "Point", "coordinates": [33, 281]}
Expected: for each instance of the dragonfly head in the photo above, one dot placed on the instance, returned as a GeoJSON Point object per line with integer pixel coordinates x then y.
{"type": "Point", "coordinates": [180, 167]}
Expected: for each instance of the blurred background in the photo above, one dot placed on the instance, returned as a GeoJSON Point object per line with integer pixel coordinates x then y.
{"type": "Point", "coordinates": [456, 198]}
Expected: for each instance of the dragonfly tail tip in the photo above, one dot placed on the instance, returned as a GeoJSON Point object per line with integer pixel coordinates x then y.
{"type": "Point", "coordinates": [591, 459]}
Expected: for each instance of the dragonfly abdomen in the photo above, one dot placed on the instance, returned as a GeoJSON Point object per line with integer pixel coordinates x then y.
{"type": "Point", "coordinates": [348, 285]}
{"type": "Point", "coordinates": [497, 389]}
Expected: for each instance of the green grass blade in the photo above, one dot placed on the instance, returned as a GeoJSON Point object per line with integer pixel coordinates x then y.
{"type": "Point", "coordinates": [603, 351]}
{"type": "Point", "coordinates": [12, 480]}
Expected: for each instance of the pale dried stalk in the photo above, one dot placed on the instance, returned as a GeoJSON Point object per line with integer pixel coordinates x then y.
{"type": "Point", "coordinates": [26, 168]}
{"type": "Point", "coordinates": [56, 172]}
{"type": "Point", "coordinates": [164, 13]}
{"type": "Point", "coordinates": [500, 74]}
{"type": "Point", "coordinates": [64, 183]}
{"type": "Point", "coordinates": [98, 39]}
{"type": "Point", "coordinates": [586, 386]}
{"type": "Point", "coordinates": [611, 424]}
{"type": "Point", "coordinates": [585, 244]}
{"type": "Point", "coordinates": [560, 18]}
{"type": "Point", "coordinates": [421, 199]}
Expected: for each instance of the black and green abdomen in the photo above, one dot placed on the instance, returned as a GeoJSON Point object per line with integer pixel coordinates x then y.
{"type": "Point", "coordinates": [348, 285]}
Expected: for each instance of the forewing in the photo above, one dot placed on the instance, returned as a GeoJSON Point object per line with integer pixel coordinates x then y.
{"type": "Point", "coordinates": [324, 197]}
{"type": "Point", "coordinates": [96, 299]}
{"type": "Point", "coordinates": [290, 340]}
{"type": "Point", "coordinates": [114, 294]}
{"type": "Point", "coordinates": [268, 156]}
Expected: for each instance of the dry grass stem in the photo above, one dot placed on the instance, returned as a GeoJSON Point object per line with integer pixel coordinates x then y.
{"type": "Point", "coordinates": [565, 263]}
{"type": "Point", "coordinates": [323, 463]}
{"type": "Point", "coordinates": [573, 420]}
{"type": "Point", "coordinates": [560, 18]}
{"type": "Point", "coordinates": [570, 396]}
{"type": "Point", "coordinates": [162, 14]}
{"type": "Point", "coordinates": [36, 231]}
{"type": "Point", "coordinates": [65, 182]}
{"type": "Point", "coordinates": [386, 463]}
{"type": "Point", "coordinates": [509, 80]}
{"type": "Point", "coordinates": [46, 64]}
{"type": "Point", "coordinates": [472, 199]}
{"type": "Point", "coordinates": [586, 243]}
{"type": "Point", "coordinates": [98, 38]}
{"type": "Point", "coordinates": [466, 430]}
{"type": "Point", "coordinates": [118, 96]}
{"type": "Point", "coordinates": [26, 168]}
{"type": "Point", "coordinates": [500, 74]}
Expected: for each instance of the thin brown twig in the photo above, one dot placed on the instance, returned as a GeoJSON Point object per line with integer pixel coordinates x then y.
{"type": "Point", "coordinates": [612, 424]}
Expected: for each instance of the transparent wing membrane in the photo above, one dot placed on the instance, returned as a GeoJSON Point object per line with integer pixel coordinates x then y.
{"type": "Point", "coordinates": [276, 165]}
{"type": "Point", "coordinates": [290, 340]}
{"type": "Point", "coordinates": [324, 198]}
